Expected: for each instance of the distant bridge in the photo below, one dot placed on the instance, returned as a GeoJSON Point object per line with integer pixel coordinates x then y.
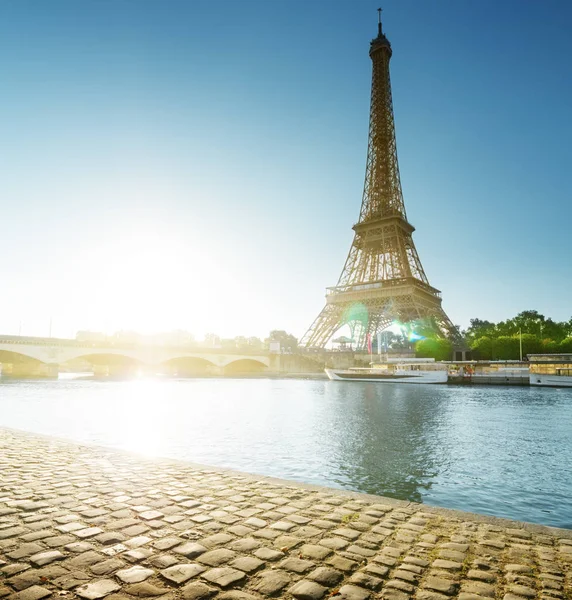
{"type": "Point", "coordinates": [58, 351]}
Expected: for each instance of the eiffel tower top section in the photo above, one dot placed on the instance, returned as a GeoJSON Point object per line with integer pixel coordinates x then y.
{"type": "Point", "coordinates": [380, 41]}
{"type": "Point", "coordinates": [382, 195]}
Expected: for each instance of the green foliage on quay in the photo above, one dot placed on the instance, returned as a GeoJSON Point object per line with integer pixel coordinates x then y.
{"type": "Point", "coordinates": [501, 341]}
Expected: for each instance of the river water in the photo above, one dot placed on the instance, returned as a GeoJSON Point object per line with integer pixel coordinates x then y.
{"type": "Point", "coordinates": [496, 450]}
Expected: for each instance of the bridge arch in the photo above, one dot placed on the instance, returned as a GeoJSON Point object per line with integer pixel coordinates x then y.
{"type": "Point", "coordinates": [245, 366]}
{"type": "Point", "coordinates": [13, 356]}
{"type": "Point", "coordinates": [188, 366]}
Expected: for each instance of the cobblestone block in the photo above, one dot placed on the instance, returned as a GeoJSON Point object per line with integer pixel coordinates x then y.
{"type": "Point", "coordinates": [224, 576]}
{"type": "Point", "coordinates": [453, 555]}
{"type": "Point", "coordinates": [108, 566]}
{"type": "Point", "coordinates": [297, 565]}
{"type": "Point", "coordinates": [215, 558]}
{"type": "Point", "coordinates": [308, 590]}
{"type": "Point", "coordinates": [182, 572]}
{"type": "Point", "coordinates": [522, 590]}
{"type": "Point", "coordinates": [33, 593]}
{"type": "Point", "coordinates": [245, 545]}
{"type": "Point", "coordinates": [36, 535]}
{"type": "Point", "coordinates": [439, 584]}
{"type": "Point", "coordinates": [268, 554]}
{"type": "Point", "coordinates": [248, 564]}
{"type": "Point", "coordinates": [145, 590]}
{"type": "Point", "coordinates": [287, 542]}
{"type": "Point", "coordinates": [367, 581]}
{"type": "Point", "coordinates": [343, 564]}
{"type": "Point", "coordinates": [13, 569]}
{"type": "Point", "coordinates": [350, 534]}
{"type": "Point", "coordinates": [137, 554]}
{"type": "Point", "coordinates": [166, 543]}
{"type": "Point", "coordinates": [163, 561]}
{"type": "Point", "coordinates": [110, 537]}
{"type": "Point", "coordinates": [85, 559]}
{"type": "Point", "coordinates": [45, 558]}
{"type": "Point", "coordinates": [314, 552]}
{"type": "Point", "coordinates": [24, 550]}
{"type": "Point", "coordinates": [334, 543]}
{"type": "Point", "coordinates": [479, 588]}
{"type": "Point", "coordinates": [97, 589]}
{"type": "Point", "coordinates": [468, 596]}
{"type": "Point", "coordinates": [197, 591]}
{"type": "Point", "coordinates": [190, 549]}
{"type": "Point", "coordinates": [360, 551]}
{"type": "Point", "coordinates": [400, 585]}
{"type": "Point", "coordinates": [269, 583]}
{"type": "Point", "coordinates": [87, 532]}
{"type": "Point", "coordinates": [352, 592]}
{"type": "Point", "coordinates": [134, 574]}
{"type": "Point", "coordinates": [481, 575]}
{"type": "Point", "coordinates": [236, 595]}
{"type": "Point", "coordinates": [448, 565]}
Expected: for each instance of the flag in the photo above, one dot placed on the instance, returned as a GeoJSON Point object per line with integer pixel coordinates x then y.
{"type": "Point", "coordinates": [368, 340]}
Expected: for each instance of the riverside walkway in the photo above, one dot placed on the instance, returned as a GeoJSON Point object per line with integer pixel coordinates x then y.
{"type": "Point", "coordinates": [88, 522]}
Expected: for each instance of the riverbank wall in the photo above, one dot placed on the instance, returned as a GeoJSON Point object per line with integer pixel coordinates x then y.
{"type": "Point", "coordinates": [91, 522]}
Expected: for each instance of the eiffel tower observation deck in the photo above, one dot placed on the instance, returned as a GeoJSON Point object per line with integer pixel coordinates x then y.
{"type": "Point", "coordinates": [383, 280]}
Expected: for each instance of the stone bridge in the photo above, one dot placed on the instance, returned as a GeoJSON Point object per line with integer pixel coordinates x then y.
{"type": "Point", "coordinates": [53, 352]}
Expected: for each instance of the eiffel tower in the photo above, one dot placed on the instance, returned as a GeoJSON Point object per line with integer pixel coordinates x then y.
{"type": "Point", "coordinates": [382, 280]}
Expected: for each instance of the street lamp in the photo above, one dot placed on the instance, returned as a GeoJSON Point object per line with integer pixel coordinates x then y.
{"type": "Point", "coordinates": [520, 336]}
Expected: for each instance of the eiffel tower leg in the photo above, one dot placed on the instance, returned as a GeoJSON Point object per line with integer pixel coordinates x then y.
{"type": "Point", "coordinates": [323, 328]}
{"type": "Point", "coordinates": [447, 327]}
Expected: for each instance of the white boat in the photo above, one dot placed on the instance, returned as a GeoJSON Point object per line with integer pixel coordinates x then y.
{"type": "Point", "coordinates": [551, 370]}
{"type": "Point", "coordinates": [394, 371]}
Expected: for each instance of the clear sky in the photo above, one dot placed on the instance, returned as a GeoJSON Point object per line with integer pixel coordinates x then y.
{"type": "Point", "coordinates": [199, 164]}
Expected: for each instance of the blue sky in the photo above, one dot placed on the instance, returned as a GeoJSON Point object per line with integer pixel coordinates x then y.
{"type": "Point", "coordinates": [199, 165]}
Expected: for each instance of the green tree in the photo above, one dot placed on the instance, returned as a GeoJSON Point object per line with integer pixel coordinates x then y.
{"type": "Point", "coordinates": [506, 347]}
{"type": "Point", "coordinates": [482, 348]}
{"type": "Point", "coordinates": [437, 348]}
{"type": "Point", "coordinates": [480, 328]}
{"type": "Point", "coordinates": [531, 344]}
{"type": "Point", "coordinates": [288, 342]}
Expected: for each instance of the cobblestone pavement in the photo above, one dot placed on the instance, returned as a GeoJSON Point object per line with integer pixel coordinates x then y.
{"type": "Point", "coordinates": [92, 523]}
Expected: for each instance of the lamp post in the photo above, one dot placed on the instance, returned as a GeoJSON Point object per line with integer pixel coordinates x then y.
{"type": "Point", "coordinates": [520, 336]}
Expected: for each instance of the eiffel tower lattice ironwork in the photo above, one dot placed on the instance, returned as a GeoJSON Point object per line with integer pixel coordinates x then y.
{"type": "Point", "coordinates": [382, 280]}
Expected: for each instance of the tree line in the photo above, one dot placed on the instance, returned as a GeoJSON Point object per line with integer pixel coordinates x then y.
{"type": "Point", "coordinates": [501, 341]}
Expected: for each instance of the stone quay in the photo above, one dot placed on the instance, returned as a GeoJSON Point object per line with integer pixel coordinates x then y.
{"type": "Point", "coordinates": [90, 522]}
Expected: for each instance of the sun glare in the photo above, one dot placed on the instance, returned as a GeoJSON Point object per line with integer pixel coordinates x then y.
{"type": "Point", "coordinates": [149, 281]}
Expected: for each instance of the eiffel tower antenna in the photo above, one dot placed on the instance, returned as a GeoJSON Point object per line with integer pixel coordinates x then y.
{"type": "Point", "coordinates": [382, 280]}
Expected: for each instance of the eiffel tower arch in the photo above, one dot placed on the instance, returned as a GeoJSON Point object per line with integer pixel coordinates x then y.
{"type": "Point", "coordinates": [382, 280]}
